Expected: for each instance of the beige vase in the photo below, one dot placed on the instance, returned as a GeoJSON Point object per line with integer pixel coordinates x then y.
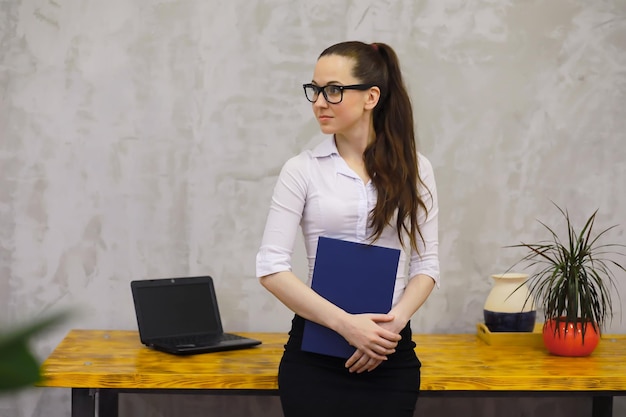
{"type": "Point", "coordinates": [507, 307]}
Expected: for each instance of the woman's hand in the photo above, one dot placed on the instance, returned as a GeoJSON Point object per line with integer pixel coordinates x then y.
{"type": "Point", "coordinates": [361, 362]}
{"type": "Point", "coordinates": [366, 333]}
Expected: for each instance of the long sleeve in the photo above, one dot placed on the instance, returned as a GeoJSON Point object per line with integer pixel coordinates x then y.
{"type": "Point", "coordinates": [427, 260]}
{"type": "Point", "coordinates": [283, 220]}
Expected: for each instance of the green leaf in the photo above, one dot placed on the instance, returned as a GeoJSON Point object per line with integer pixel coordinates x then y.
{"type": "Point", "coordinates": [18, 366]}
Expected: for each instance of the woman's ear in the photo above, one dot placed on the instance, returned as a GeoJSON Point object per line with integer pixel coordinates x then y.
{"type": "Point", "coordinates": [373, 95]}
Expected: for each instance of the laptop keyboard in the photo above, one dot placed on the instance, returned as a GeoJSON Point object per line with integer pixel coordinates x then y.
{"type": "Point", "coordinates": [200, 340]}
{"type": "Point", "coordinates": [230, 336]}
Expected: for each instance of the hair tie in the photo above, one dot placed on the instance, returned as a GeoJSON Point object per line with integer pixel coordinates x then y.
{"type": "Point", "coordinates": [375, 46]}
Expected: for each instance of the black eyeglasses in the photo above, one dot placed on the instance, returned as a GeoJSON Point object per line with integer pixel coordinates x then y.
{"type": "Point", "coordinates": [333, 93]}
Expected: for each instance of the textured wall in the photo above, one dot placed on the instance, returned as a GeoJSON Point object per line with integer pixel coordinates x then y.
{"type": "Point", "coordinates": [142, 139]}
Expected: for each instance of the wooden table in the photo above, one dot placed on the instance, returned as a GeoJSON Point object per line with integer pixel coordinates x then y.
{"type": "Point", "coordinates": [104, 363]}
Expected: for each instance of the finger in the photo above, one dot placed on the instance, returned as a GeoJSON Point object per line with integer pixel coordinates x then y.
{"type": "Point", "coordinates": [354, 358]}
{"type": "Point", "coordinates": [381, 345]}
{"type": "Point", "coordinates": [373, 364]}
{"type": "Point", "coordinates": [383, 350]}
{"type": "Point", "coordinates": [360, 364]}
{"type": "Point", "coordinates": [374, 354]}
{"type": "Point", "coordinates": [368, 366]}
{"type": "Point", "coordinates": [358, 369]}
{"type": "Point", "coordinates": [384, 343]}
{"type": "Point", "coordinates": [389, 335]}
{"type": "Point", "coordinates": [380, 318]}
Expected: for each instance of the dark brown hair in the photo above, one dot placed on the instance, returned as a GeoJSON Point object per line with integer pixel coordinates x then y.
{"type": "Point", "coordinates": [391, 159]}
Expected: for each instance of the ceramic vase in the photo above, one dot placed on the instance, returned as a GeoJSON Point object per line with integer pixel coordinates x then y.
{"type": "Point", "coordinates": [508, 307]}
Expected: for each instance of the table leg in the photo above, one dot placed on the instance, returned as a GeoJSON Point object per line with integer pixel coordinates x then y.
{"type": "Point", "coordinates": [602, 406]}
{"type": "Point", "coordinates": [83, 402]}
{"type": "Point", "coordinates": [108, 403]}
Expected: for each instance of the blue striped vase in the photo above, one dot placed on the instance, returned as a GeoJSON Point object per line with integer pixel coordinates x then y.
{"type": "Point", "coordinates": [507, 307]}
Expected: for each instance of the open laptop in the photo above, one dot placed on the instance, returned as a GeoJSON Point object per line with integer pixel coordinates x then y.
{"type": "Point", "coordinates": [181, 316]}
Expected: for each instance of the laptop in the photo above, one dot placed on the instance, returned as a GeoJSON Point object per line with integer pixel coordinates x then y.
{"type": "Point", "coordinates": [181, 316]}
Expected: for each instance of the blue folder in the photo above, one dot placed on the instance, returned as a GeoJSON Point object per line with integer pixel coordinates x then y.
{"type": "Point", "coordinates": [357, 277]}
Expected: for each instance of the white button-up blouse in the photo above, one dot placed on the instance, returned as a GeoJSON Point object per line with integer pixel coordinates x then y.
{"type": "Point", "coordinates": [319, 192]}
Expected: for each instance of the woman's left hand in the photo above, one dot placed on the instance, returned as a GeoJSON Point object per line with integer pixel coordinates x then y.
{"type": "Point", "coordinates": [360, 362]}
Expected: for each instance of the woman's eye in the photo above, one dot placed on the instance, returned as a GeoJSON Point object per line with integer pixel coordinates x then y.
{"type": "Point", "coordinates": [333, 90]}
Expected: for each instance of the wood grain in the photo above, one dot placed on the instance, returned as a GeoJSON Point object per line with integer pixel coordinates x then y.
{"type": "Point", "coordinates": [117, 359]}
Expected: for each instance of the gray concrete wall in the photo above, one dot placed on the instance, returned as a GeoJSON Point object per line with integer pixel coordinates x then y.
{"type": "Point", "coordinates": [142, 139]}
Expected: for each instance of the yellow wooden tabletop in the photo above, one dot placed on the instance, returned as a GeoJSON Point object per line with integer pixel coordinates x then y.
{"type": "Point", "coordinates": [117, 359]}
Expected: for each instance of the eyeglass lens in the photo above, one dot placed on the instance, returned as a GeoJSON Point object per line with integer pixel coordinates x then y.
{"type": "Point", "coordinates": [332, 93]}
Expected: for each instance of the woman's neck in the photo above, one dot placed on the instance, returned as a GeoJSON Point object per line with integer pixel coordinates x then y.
{"type": "Point", "coordinates": [352, 145]}
{"type": "Point", "coordinates": [352, 148]}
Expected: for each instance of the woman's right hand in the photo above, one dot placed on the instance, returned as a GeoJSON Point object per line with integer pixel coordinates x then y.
{"type": "Point", "coordinates": [363, 332]}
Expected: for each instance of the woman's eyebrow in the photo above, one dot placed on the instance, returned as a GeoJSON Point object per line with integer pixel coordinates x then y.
{"type": "Point", "coordinates": [328, 83]}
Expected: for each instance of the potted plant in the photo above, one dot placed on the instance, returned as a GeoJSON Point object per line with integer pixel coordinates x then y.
{"type": "Point", "coordinates": [572, 281]}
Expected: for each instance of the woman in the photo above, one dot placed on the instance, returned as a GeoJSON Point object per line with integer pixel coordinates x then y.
{"type": "Point", "coordinates": [364, 183]}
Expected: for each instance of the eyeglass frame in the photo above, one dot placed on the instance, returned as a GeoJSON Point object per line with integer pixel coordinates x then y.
{"type": "Point", "coordinates": [322, 89]}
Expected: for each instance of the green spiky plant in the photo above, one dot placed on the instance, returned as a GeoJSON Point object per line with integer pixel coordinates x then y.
{"type": "Point", "coordinates": [18, 366]}
{"type": "Point", "coordinates": [575, 277]}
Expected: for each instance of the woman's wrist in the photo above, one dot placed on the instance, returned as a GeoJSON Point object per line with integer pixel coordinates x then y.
{"type": "Point", "coordinates": [340, 322]}
{"type": "Point", "coordinates": [400, 316]}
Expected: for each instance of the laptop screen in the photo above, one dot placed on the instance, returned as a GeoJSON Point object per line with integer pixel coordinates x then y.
{"type": "Point", "coordinates": [178, 307]}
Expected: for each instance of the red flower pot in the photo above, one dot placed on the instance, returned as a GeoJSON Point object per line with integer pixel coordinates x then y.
{"type": "Point", "coordinates": [566, 339]}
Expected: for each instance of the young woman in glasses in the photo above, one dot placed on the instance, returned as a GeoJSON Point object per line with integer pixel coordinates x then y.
{"type": "Point", "coordinates": [365, 182]}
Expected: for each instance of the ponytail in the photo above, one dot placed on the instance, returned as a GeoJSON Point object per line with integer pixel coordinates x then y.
{"type": "Point", "coordinates": [391, 159]}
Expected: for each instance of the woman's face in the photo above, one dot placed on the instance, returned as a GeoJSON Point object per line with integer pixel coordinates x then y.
{"type": "Point", "coordinates": [348, 116]}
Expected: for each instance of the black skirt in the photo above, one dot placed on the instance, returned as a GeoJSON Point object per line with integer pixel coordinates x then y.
{"type": "Point", "coordinates": [318, 385]}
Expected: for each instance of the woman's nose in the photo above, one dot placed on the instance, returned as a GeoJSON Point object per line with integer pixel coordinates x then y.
{"type": "Point", "coordinates": [320, 101]}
